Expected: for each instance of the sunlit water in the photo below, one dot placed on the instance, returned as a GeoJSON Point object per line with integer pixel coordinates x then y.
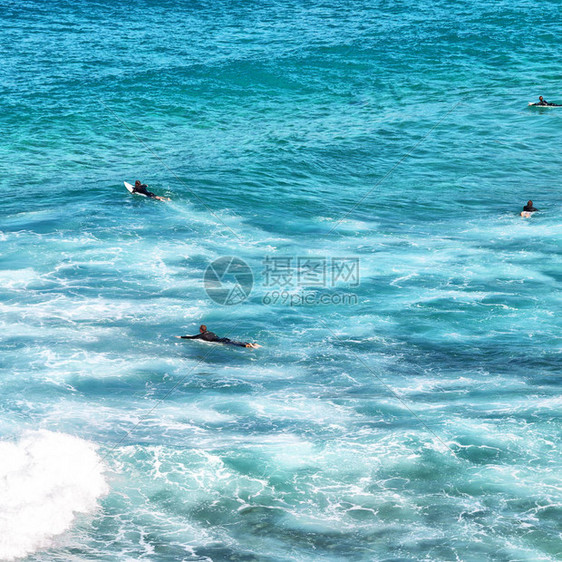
{"type": "Point", "coordinates": [420, 421]}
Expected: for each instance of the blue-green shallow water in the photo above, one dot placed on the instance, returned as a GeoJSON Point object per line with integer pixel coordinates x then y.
{"type": "Point", "coordinates": [280, 117]}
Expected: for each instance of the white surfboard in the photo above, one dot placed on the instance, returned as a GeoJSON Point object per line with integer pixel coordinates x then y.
{"type": "Point", "coordinates": [532, 104]}
{"type": "Point", "coordinates": [526, 214]}
{"type": "Point", "coordinates": [130, 189]}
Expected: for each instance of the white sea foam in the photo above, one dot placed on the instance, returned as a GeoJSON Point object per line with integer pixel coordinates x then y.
{"type": "Point", "coordinates": [18, 278]}
{"type": "Point", "coordinates": [46, 478]}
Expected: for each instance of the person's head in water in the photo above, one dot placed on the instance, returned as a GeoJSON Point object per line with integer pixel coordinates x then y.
{"type": "Point", "coordinates": [540, 98]}
{"type": "Point", "coordinates": [529, 203]}
{"type": "Point", "coordinates": [202, 328]}
{"type": "Point", "coordinates": [137, 183]}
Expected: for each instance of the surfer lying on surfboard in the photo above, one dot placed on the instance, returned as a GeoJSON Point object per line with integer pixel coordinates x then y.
{"type": "Point", "coordinates": [543, 103]}
{"type": "Point", "coordinates": [528, 209]}
{"type": "Point", "coordinates": [205, 335]}
{"type": "Point", "coordinates": [142, 189]}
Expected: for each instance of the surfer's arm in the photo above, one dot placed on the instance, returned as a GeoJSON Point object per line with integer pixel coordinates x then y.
{"type": "Point", "coordinates": [196, 337]}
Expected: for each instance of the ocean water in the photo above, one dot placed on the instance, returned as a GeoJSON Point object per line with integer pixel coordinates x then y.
{"type": "Point", "coordinates": [407, 411]}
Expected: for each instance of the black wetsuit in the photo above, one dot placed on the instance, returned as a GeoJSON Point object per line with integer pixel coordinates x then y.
{"type": "Point", "coordinates": [210, 336]}
{"type": "Point", "coordinates": [143, 191]}
{"type": "Point", "coordinates": [529, 209]}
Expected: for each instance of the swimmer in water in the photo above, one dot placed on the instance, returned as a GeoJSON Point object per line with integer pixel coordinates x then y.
{"type": "Point", "coordinates": [528, 208]}
{"type": "Point", "coordinates": [205, 335]}
{"type": "Point", "coordinates": [142, 189]}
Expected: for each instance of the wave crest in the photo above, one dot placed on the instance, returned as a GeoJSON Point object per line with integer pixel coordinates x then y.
{"type": "Point", "coordinates": [46, 478]}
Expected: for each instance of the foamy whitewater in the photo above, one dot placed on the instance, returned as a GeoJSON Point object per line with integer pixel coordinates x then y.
{"type": "Point", "coordinates": [368, 162]}
{"type": "Point", "coordinates": [46, 480]}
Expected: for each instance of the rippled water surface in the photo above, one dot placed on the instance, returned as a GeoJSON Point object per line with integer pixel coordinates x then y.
{"type": "Point", "coordinates": [412, 415]}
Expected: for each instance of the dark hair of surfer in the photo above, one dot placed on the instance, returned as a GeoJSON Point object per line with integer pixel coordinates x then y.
{"type": "Point", "coordinates": [202, 328]}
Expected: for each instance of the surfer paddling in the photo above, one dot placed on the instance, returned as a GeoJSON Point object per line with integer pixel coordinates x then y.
{"type": "Point", "coordinates": [143, 190]}
{"type": "Point", "coordinates": [205, 335]}
{"type": "Point", "coordinates": [543, 103]}
{"type": "Point", "coordinates": [528, 209]}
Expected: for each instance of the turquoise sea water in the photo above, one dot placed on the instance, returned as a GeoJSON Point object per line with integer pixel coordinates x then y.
{"type": "Point", "coordinates": [420, 421]}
